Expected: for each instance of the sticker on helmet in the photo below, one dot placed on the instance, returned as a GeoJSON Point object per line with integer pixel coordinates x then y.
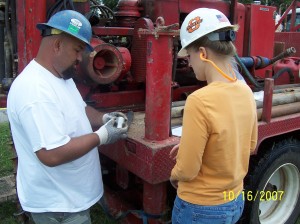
{"type": "Point", "coordinates": [74, 26]}
{"type": "Point", "coordinates": [222, 18]}
{"type": "Point", "coordinates": [194, 24]}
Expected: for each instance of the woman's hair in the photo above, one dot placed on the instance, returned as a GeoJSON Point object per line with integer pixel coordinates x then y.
{"type": "Point", "coordinates": [219, 47]}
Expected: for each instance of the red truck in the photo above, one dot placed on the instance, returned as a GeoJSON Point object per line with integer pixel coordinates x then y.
{"type": "Point", "coordinates": [135, 68]}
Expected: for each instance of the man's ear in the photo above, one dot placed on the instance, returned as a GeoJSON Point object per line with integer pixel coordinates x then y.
{"type": "Point", "coordinates": [57, 43]}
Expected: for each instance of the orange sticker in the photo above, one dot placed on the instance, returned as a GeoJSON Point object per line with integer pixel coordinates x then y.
{"type": "Point", "coordinates": [194, 24]}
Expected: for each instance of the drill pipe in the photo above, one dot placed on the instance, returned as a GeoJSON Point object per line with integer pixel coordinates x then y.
{"type": "Point", "coordinates": [281, 110]}
{"type": "Point", "coordinates": [281, 98]}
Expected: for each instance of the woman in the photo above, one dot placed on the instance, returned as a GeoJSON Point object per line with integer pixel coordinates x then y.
{"type": "Point", "coordinates": [219, 126]}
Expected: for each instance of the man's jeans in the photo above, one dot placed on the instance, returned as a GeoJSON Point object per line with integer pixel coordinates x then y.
{"type": "Point", "coordinates": [62, 217]}
{"type": "Point", "coordinates": [187, 213]}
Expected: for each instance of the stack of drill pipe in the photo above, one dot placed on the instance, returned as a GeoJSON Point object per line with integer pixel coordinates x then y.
{"type": "Point", "coordinates": [285, 101]}
{"type": "Point", "coordinates": [177, 109]}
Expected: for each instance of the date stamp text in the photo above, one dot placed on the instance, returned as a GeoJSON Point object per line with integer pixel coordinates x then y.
{"type": "Point", "coordinates": [254, 195]}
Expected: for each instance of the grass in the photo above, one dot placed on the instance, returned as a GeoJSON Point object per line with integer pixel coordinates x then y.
{"type": "Point", "coordinates": [6, 153]}
{"type": "Point", "coordinates": [8, 209]}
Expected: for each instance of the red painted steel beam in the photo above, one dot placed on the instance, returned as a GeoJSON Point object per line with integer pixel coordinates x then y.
{"type": "Point", "coordinates": [118, 99]}
{"type": "Point", "coordinates": [277, 126]}
{"type": "Point", "coordinates": [29, 13]}
{"type": "Point", "coordinates": [159, 65]}
{"type": "Point", "coordinates": [154, 200]}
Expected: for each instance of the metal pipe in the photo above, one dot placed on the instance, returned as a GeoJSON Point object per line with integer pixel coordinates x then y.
{"type": "Point", "coordinates": [288, 90]}
{"type": "Point", "coordinates": [158, 87]}
{"type": "Point", "coordinates": [282, 98]}
{"type": "Point", "coordinates": [281, 110]}
{"type": "Point", "coordinates": [284, 54]}
{"type": "Point", "coordinates": [177, 112]}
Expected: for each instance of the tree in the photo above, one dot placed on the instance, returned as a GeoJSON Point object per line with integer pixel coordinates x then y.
{"type": "Point", "coordinates": [110, 3]}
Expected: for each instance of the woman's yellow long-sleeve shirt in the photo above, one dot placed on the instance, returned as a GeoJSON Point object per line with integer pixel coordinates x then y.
{"type": "Point", "coordinates": [219, 132]}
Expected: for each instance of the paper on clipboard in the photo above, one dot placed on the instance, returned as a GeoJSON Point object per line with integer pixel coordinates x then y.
{"type": "Point", "coordinates": [176, 131]}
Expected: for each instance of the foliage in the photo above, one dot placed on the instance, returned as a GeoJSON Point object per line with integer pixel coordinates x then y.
{"type": "Point", "coordinates": [7, 209]}
{"type": "Point", "coordinates": [110, 3]}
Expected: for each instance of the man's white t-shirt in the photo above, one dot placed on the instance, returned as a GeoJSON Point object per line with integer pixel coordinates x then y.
{"type": "Point", "coordinates": [45, 111]}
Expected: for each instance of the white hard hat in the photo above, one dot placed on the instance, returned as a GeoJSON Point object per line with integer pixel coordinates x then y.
{"type": "Point", "coordinates": [199, 23]}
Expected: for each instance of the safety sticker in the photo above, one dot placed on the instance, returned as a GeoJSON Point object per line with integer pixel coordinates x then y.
{"type": "Point", "coordinates": [194, 24]}
{"type": "Point", "coordinates": [74, 26]}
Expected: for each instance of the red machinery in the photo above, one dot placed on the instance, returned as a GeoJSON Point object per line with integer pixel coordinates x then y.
{"type": "Point", "coordinates": [135, 67]}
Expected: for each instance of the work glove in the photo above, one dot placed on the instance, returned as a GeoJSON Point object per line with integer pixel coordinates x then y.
{"type": "Point", "coordinates": [106, 117]}
{"type": "Point", "coordinates": [112, 131]}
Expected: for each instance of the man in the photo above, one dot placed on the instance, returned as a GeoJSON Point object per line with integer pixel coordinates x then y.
{"type": "Point", "coordinates": [59, 175]}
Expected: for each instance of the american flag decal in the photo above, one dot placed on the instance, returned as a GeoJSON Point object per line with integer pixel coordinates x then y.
{"type": "Point", "coordinates": [222, 18]}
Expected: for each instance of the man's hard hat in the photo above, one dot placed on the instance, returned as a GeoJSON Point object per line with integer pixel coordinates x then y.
{"type": "Point", "coordinates": [199, 23]}
{"type": "Point", "coordinates": [70, 22]}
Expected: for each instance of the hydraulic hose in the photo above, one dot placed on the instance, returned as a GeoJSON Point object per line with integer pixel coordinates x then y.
{"type": "Point", "coordinates": [247, 74]}
{"type": "Point", "coordinates": [282, 71]}
{"type": "Point", "coordinates": [60, 5]}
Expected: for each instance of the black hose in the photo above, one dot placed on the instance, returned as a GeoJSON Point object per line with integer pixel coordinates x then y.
{"type": "Point", "coordinates": [105, 10]}
{"type": "Point", "coordinates": [60, 5]}
{"type": "Point", "coordinates": [245, 72]}
{"type": "Point", "coordinates": [54, 8]}
{"type": "Point", "coordinates": [71, 4]}
{"type": "Point", "coordinates": [282, 71]}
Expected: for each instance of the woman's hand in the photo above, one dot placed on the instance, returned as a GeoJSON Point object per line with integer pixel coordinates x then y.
{"type": "Point", "coordinates": [174, 183]}
{"type": "Point", "coordinates": [173, 152]}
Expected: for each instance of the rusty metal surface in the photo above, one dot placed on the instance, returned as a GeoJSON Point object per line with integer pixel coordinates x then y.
{"type": "Point", "coordinates": [139, 50]}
